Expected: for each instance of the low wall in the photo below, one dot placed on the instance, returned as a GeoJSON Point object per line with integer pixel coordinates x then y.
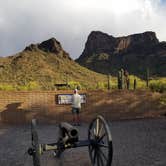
{"type": "Point", "coordinates": [20, 107]}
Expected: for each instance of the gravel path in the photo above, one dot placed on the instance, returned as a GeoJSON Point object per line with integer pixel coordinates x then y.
{"type": "Point", "coordinates": [135, 143]}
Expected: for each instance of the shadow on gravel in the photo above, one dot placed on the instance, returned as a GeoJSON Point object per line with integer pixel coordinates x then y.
{"type": "Point", "coordinates": [13, 114]}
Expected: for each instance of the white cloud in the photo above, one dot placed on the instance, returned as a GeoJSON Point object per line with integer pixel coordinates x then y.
{"type": "Point", "coordinates": [70, 21]}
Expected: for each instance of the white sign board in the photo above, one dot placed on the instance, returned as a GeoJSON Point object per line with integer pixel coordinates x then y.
{"type": "Point", "coordinates": [67, 98]}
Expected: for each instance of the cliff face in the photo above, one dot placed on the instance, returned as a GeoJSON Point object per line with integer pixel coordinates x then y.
{"type": "Point", "coordinates": [106, 54]}
{"type": "Point", "coordinates": [136, 42]}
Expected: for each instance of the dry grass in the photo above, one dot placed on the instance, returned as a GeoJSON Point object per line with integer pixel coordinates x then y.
{"type": "Point", "coordinates": [113, 105]}
{"type": "Point", "coordinates": [117, 105]}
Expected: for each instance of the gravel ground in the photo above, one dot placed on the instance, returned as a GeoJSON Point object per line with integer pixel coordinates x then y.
{"type": "Point", "coordinates": [135, 143]}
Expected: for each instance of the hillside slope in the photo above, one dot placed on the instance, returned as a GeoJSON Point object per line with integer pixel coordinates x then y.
{"type": "Point", "coordinates": [106, 54]}
{"type": "Point", "coordinates": [45, 64]}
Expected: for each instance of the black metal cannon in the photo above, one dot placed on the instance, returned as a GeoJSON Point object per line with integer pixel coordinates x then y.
{"type": "Point", "coordinates": [99, 142]}
{"type": "Point", "coordinates": [68, 133]}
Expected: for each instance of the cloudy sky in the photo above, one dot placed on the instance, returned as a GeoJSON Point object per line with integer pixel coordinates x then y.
{"type": "Point", "coordinates": [70, 21]}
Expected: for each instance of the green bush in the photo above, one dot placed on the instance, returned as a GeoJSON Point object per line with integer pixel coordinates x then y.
{"type": "Point", "coordinates": [114, 83]}
{"type": "Point", "coordinates": [6, 87]}
{"type": "Point", "coordinates": [163, 100]}
{"type": "Point", "coordinates": [141, 84]}
{"type": "Point", "coordinates": [101, 85]}
{"type": "Point", "coordinates": [158, 85]}
{"type": "Point", "coordinates": [32, 85]}
{"type": "Point", "coordinates": [74, 85]}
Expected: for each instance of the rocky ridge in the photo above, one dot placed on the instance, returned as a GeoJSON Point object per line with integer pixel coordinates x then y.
{"type": "Point", "coordinates": [49, 46]}
{"type": "Point", "coordinates": [106, 54]}
{"type": "Point", "coordinates": [44, 64]}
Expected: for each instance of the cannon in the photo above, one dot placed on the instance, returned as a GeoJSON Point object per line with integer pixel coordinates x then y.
{"type": "Point", "coordinates": [68, 133]}
{"type": "Point", "coordinates": [99, 142]}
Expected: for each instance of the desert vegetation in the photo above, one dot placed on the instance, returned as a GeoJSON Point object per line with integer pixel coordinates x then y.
{"type": "Point", "coordinates": [45, 83]}
{"type": "Point", "coordinates": [158, 85]}
{"type": "Point", "coordinates": [39, 67]}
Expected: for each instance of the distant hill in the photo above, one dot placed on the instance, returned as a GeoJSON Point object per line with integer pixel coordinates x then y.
{"type": "Point", "coordinates": [45, 64]}
{"type": "Point", "coordinates": [106, 54]}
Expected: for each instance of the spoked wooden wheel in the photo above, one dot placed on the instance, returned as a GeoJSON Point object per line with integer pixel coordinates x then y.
{"type": "Point", "coordinates": [35, 144]}
{"type": "Point", "coordinates": [100, 147]}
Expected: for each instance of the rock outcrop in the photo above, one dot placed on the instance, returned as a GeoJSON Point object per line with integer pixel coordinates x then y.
{"type": "Point", "coordinates": [51, 45]}
{"type": "Point", "coordinates": [106, 54]}
{"type": "Point", "coordinates": [48, 46]}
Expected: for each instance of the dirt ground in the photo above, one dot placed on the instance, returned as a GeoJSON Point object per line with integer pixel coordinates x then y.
{"type": "Point", "coordinates": [114, 105]}
{"type": "Point", "coordinates": [135, 143]}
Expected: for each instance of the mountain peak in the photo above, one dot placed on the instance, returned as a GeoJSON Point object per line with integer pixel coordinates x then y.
{"type": "Point", "coordinates": [51, 45]}
{"type": "Point", "coordinates": [99, 35]}
{"type": "Point", "coordinates": [106, 54]}
{"type": "Point", "coordinates": [99, 42]}
{"type": "Point", "coordinates": [147, 37]}
{"type": "Point", "coordinates": [138, 42]}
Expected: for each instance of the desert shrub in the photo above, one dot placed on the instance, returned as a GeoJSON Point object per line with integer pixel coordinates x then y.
{"type": "Point", "coordinates": [6, 87]}
{"type": "Point", "coordinates": [74, 85]}
{"type": "Point", "coordinates": [114, 83]}
{"type": "Point", "coordinates": [100, 85]}
{"type": "Point", "coordinates": [158, 85]}
{"type": "Point", "coordinates": [85, 86]}
{"type": "Point", "coordinates": [103, 56]}
{"type": "Point", "coordinates": [141, 84]}
{"type": "Point", "coordinates": [163, 100]}
{"type": "Point", "coordinates": [21, 87]}
{"type": "Point", "coordinates": [32, 85]}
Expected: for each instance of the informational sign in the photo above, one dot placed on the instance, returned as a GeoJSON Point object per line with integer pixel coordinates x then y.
{"type": "Point", "coordinates": [67, 98]}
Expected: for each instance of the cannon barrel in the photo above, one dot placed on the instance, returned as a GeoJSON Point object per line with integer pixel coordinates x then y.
{"type": "Point", "coordinates": [68, 133]}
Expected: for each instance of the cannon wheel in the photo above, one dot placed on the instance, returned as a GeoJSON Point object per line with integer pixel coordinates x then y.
{"type": "Point", "coordinates": [100, 147]}
{"type": "Point", "coordinates": [35, 144]}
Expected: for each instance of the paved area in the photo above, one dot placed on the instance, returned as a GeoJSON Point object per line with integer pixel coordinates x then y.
{"type": "Point", "coordinates": [135, 143]}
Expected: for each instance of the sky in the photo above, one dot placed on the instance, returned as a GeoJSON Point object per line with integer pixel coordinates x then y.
{"type": "Point", "coordinates": [23, 22]}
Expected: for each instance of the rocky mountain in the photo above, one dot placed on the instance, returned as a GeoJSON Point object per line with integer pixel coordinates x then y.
{"type": "Point", "coordinates": [107, 54]}
{"type": "Point", "coordinates": [46, 64]}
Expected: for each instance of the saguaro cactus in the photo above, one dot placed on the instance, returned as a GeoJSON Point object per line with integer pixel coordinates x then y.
{"type": "Point", "coordinates": [147, 77]}
{"type": "Point", "coordinates": [109, 83]}
{"type": "Point", "coordinates": [127, 79]}
{"type": "Point", "coordinates": [121, 79]}
{"type": "Point", "coordinates": [128, 83]}
{"type": "Point", "coordinates": [135, 83]}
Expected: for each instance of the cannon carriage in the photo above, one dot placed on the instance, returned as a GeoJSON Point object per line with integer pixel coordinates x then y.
{"type": "Point", "coordinates": [99, 142]}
